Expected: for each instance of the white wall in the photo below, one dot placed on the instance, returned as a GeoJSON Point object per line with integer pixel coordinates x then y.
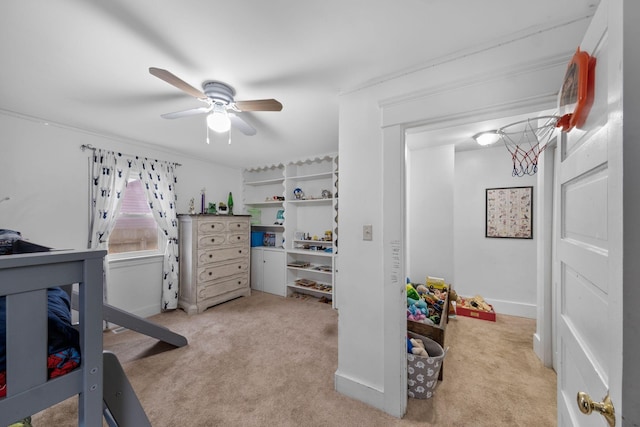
{"type": "Point", "coordinates": [360, 277]}
{"type": "Point", "coordinates": [430, 211]}
{"type": "Point", "coordinates": [135, 285]}
{"type": "Point", "coordinates": [503, 271]}
{"type": "Point", "coordinates": [45, 173]}
{"type": "Point", "coordinates": [446, 226]}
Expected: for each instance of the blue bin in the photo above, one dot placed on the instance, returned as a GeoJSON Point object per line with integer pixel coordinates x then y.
{"type": "Point", "coordinates": [257, 238]}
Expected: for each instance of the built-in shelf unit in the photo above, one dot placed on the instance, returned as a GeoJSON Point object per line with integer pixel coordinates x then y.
{"type": "Point", "coordinates": [305, 192]}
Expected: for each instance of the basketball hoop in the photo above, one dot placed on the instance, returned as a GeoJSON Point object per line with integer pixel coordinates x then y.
{"type": "Point", "coordinates": [525, 140]}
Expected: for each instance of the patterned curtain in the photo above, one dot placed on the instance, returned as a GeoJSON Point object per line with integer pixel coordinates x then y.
{"type": "Point", "coordinates": [159, 182]}
{"type": "Point", "coordinates": [109, 174]}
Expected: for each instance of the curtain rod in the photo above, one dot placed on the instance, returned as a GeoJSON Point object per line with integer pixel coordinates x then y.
{"type": "Point", "coordinates": [92, 148]}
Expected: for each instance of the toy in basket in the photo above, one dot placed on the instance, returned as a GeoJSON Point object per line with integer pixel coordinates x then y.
{"type": "Point", "coordinates": [428, 314]}
{"type": "Point", "coordinates": [424, 362]}
{"type": "Point", "coordinates": [426, 303]}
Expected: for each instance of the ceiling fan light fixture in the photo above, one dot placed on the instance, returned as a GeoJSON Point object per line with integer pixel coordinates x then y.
{"type": "Point", "coordinates": [487, 137]}
{"type": "Point", "coordinates": [218, 120]}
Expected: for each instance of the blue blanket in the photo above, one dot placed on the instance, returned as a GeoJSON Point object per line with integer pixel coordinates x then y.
{"type": "Point", "coordinates": [62, 335]}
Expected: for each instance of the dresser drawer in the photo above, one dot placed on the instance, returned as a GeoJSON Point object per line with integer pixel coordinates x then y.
{"type": "Point", "coordinates": [236, 239]}
{"type": "Point", "coordinates": [211, 226]}
{"type": "Point", "coordinates": [223, 286]}
{"type": "Point", "coordinates": [215, 272]}
{"type": "Point", "coordinates": [239, 225]}
{"type": "Point", "coordinates": [208, 256]}
{"type": "Point", "coordinates": [211, 240]}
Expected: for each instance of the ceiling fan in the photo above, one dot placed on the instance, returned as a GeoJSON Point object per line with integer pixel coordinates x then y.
{"type": "Point", "coordinates": [221, 105]}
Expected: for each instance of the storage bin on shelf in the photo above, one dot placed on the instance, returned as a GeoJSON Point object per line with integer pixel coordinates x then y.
{"type": "Point", "coordinates": [257, 238]}
{"type": "Point", "coordinates": [256, 216]}
{"type": "Point", "coordinates": [423, 371]}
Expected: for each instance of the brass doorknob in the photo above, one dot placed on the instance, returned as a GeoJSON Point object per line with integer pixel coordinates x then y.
{"type": "Point", "coordinates": [605, 408]}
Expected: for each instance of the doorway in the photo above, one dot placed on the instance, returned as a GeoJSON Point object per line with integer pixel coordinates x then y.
{"type": "Point", "coordinates": [447, 174]}
{"type": "Point", "coordinates": [460, 202]}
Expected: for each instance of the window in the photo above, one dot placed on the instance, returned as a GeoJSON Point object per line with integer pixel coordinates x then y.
{"type": "Point", "coordinates": [135, 230]}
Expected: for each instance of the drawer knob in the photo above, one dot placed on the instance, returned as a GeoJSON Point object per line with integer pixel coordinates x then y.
{"type": "Point", "coordinates": [210, 273]}
{"type": "Point", "coordinates": [210, 255]}
{"type": "Point", "coordinates": [239, 266]}
{"type": "Point", "coordinates": [213, 240]}
{"type": "Point", "coordinates": [213, 226]}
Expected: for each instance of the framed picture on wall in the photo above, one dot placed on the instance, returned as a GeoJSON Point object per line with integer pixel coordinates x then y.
{"type": "Point", "coordinates": [509, 212]}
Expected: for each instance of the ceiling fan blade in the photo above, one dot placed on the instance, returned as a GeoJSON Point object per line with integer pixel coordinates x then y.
{"type": "Point", "coordinates": [241, 125]}
{"type": "Point", "coordinates": [177, 82]}
{"type": "Point", "coordinates": [259, 105]}
{"type": "Point", "coordinates": [185, 113]}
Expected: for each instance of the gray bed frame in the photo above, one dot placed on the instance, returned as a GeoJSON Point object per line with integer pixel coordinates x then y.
{"type": "Point", "coordinates": [100, 383]}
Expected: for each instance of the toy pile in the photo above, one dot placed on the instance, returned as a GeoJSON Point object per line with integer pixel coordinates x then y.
{"type": "Point", "coordinates": [476, 303]}
{"type": "Point", "coordinates": [425, 304]}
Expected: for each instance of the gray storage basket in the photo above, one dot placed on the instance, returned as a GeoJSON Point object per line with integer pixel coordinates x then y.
{"type": "Point", "coordinates": [423, 371]}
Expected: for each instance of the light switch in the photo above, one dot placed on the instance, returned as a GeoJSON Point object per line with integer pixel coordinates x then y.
{"type": "Point", "coordinates": [367, 232]}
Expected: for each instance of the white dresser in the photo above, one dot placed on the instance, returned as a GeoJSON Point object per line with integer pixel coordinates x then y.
{"type": "Point", "coordinates": [214, 260]}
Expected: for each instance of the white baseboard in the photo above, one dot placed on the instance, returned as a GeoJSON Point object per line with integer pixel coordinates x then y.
{"type": "Point", "coordinates": [357, 390]}
{"type": "Point", "coordinates": [537, 347]}
{"type": "Point", "coordinates": [512, 308]}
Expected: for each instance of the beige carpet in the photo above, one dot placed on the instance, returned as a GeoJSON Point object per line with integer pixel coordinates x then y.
{"type": "Point", "coordinates": [270, 361]}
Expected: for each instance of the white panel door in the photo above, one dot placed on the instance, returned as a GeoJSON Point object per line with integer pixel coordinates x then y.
{"type": "Point", "coordinates": [588, 266]}
{"type": "Point", "coordinates": [274, 272]}
{"type": "Point", "coordinates": [257, 267]}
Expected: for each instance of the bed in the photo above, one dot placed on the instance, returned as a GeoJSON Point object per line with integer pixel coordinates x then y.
{"type": "Point", "coordinates": [26, 283]}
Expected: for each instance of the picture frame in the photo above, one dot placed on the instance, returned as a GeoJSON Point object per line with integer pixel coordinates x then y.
{"type": "Point", "coordinates": [509, 212]}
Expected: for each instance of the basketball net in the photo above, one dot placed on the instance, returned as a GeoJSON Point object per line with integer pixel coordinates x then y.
{"type": "Point", "coordinates": [525, 140]}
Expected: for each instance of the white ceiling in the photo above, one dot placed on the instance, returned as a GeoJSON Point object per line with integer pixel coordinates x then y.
{"type": "Point", "coordinates": [84, 63]}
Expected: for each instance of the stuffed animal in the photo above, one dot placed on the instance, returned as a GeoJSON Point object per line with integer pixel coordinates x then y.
{"type": "Point", "coordinates": [453, 297]}
{"type": "Point", "coordinates": [411, 292]}
{"type": "Point", "coordinates": [414, 313]}
{"type": "Point", "coordinates": [417, 347]}
{"type": "Point", "coordinates": [421, 304]}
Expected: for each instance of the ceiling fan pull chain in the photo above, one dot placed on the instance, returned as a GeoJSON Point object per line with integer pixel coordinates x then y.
{"type": "Point", "coordinates": [207, 126]}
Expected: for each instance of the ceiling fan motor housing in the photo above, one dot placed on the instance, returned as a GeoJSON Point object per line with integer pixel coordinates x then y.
{"type": "Point", "coordinates": [218, 91]}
